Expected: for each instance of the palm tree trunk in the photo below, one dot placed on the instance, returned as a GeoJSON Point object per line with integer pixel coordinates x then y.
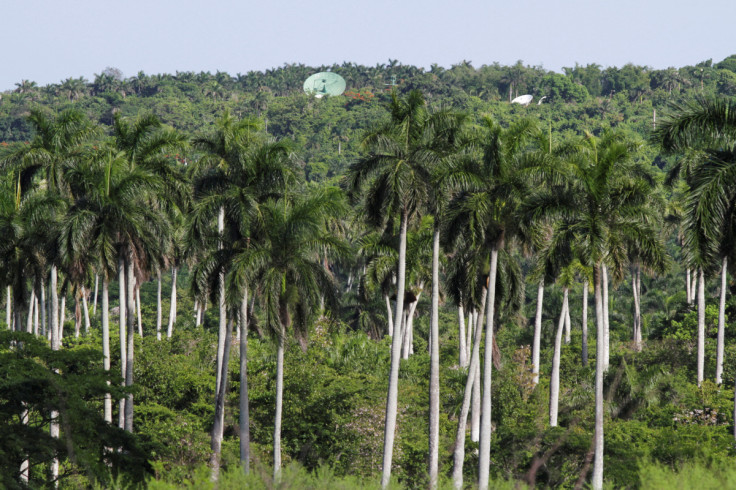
{"type": "Point", "coordinates": [130, 317]}
{"type": "Point", "coordinates": [554, 384]}
{"type": "Point", "coordinates": [721, 322]}
{"type": "Point", "coordinates": [31, 304]}
{"type": "Point", "coordinates": [476, 400]}
{"type": "Point", "coordinates": [469, 332]}
{"type": "Point", "coordinates": [222, 328]}
{"type": "Point", "coordinates": [55, 345]}
{"type": "Point", "coordinates": [279, 402]}
{"type": "Point", "coordinates": [461, 337]}
{"type": "Point", "coordinates": [138, 309]}
{"type": "Point", "coordinates": [85, 310]}
{"type": "Point", "coordinates": [694, 286]}
{"type": "Point", "coordinates": [244, 406]}
{"type": "Point", "coordinates": [42, 306]}
{"type": "Point", "coordinates": [567, 316]}
{"type": "Point", "coordinates": [409, 329]}
{"type": "Point", "coordinates": [36, 322]}
{"type": "Point", "coordinates": [470, 383]}
{"type": "Point", "coordinates": [606, 327]}
{"type": "Point", "coordinates": [172, 309]}
{"type": "Point", "coordinates": [8, 309]}
{"type": "Point", "coordinates": [388, 315]}
{"type": "Point", "coordinates": [77, 315]}
{"type": "Point", "coordinates": [485, 414]}
{"type": "Point", "coordinates": [122, 334]}
{"type": "Point", "coordinates": [701, 325]}
{"type": "Point", "coordinates": [62, 314]}
{"type": "Point", "coordinates": [688, 289]}
{"type": "Point", "coordinates": [393, 379]}
{"type": "Point", "coordinates": [159, 310]}
{"type": "Point", "coordinates": [584, 348]}
{"type": "Point", "coordinates": [94, 302]}
{"type": "Point", "coordinates": [106, 343]}
{"type": "Point", "coordinates": [537, 332]}
{"type": "Point", "coordinates": [434, 364]}
{"type": "Point", "coordinates": [597, 482]}
{"type": "Point", "coordinates": [219, 423]}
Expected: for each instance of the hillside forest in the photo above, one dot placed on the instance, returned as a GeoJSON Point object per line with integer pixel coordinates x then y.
{"type": "Point", "coordinates": [217, 281]}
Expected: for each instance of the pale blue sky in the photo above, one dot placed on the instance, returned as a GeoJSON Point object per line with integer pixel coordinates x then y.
{"type": "Point", "coordinates": [50, 40]}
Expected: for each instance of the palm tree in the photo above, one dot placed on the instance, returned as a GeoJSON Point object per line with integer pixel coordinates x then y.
{"type": "Point", "coordinates": [286, 261]}
{"type": "Point", "coordinates": [707, 125]}
{"type": "Point", "coordinates": [602, 207]}
{"type": "Point", "coordinates": [239, 170]}
{"type": "Point", "coordinates": [396, 170]}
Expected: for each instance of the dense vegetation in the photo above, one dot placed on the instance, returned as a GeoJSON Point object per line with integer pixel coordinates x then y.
{"type": "Point", "coordinates": [361, 252]}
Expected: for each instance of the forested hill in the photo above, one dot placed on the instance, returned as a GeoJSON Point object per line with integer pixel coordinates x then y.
{"type": "Point", "coordinates": [327, 131]}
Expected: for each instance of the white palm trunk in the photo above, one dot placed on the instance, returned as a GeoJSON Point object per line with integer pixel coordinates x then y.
{"type": "Point", "coordinates": [388, 315]}
{"type": "Point", "coordinates": [31, 305]}
{"type": "Point", "coordinates": [42, 307]}
{"type": "Point", "coordinates": [636, 287]}
{"type": "Point", "coordinates": [721, 322]}
{"type": "Point", "coordinates": [106, 343]}
{"type": "Point", "coordinates": [554, 384]}
{"type": "Point", "coordinates": [222, 327]}
{"type": "Point", "coordinates": [409, 330]}
{"type": "Point", "coordinates": [568, 326]}
{"type": "Point", "coordinates": [25, 467]}
{"type": "Point", "coordinates": [393, 380]}
{"type": "Point", "coordinates": [36, 322]}
{"type": "Point", "coordinates": [584, 353]}
{"type": "Point", "coordinates": [122, 334]}
{"type": "Point", "coordinates": [701, 325]}
{"type": "Point", "coordinates": [476, 400]}
{"type": "Point", "coordinates": [8, 309]}
{"type": "Point", "coordinates": [434, 365]}
{"type": "Point", "coordinates": [94, 301]}
{"type": "Point", "coordinates": [484, 459]}
{"type": "Point", "coordinates": [536, 342]}
{"type": "Point", "coordinates": [606, 327]}
{"type": "Point", "coordinates": [688, 288]}
{"type": "Point", "coordinates": [138, 309]}
{"type": "Point", "coordinates": [55, 345]}
{"type": "Point", "coordinates": [243, 405]}
{"type": "Point", "coordinates": [85, 311]}
{"type": "Point", "coordinates": [470, 382]}
{"type": "Point", "coordinates": [172, 309]}
{"type": "Point", "coordinates": [694, 286]}
{"type": "Point", "coordinates": [597, 482]}
{"type": "Point", "coordinates": [279, 403]}
{"type": "Point", "coordinates": [462, 346]}
{"type": "Point", "coordinates": [159, 310]}
{"type": "Point", "coordinates": [130, 317]}
{"type": "Point", "coordinates": [219, 421]}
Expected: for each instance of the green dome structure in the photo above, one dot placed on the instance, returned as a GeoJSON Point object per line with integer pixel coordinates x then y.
{"type": "Point", "coordinates": [324, 83]}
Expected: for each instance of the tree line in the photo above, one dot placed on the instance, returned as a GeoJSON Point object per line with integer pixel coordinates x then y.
{"type": "Point", "coordinates": [435, 197]}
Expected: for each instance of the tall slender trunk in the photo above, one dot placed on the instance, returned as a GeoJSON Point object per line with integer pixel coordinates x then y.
{"type": "Point", "coordinates": [409, 329]}
{"type": "Point", "coordinates": [42, 307]}
{"type": "Point", "coordinates": [606, 327]}
{"type": "Point", "coordinates": [31, 305]}
{"type": "Point", "coordinates": [222, 327]}
{"type": "Point", "coordinates": [393, 380]}
{"type": "Point", "coordinates": [536, 342]}
{"type": "Point", "coordinates": [597, 482]}
{"type": "Point", "coordinates": [85, 310]}
{"type": "Point", "coordinates": [434, 364]}
{"type": "Point", "coordinates": [130, 317]}
{"type": "Point", "coordinates": [484, 459]}
{"type": "Point", "coordinates": [219, 422]}
{"type": "Point", "coordinates": [77, 314]}
{"type": "Point", "coordinates": [122, 334]}
{"type": "Point", "coordinates": [688, 288]}
{"type": "Point", "coordinates": [279, 402]}
{"type": "Point", "coordinates": [106, 343]}
{"type": "Point", "coordinates": [476, 400]}
{"type": "Point", "coordinates": [701, 325]}
{"type": "Point", "coordinates": [584, 353]}
{"type": "Point", "coordinates": [62, 313]}
{"type": "Point", "coordinates": [159, 310]}
{"type": "Point", "coordinates": [94, 301]}
{"type": "Point", "coordinates": [462, 344]}
{"type": "Point", "coordinates": [36, 323]}
{"type": "Point", "coordinates": [721, 322]}
{"type": "Point", "coordinates": [55, 345]}
{"type": "Point", "coordinates": [388, 315]}
{"type": "Point", "coordinates": [470, 382]}
{"type": "Point", "coordinates": [244, 405]}
{"type": "Point", "coordinates": [554, 384]}
{"type": "Point", "coordinates": [568, 327]}
{"type": "Point", "coordinates": [694, 286]}
{"type": "Point", "coordinates": [635, 286]}
{"type": "Point", "coordinates": [172, 309]}
{"type": "Point", "coordinates": [138, 309]}
{"type": "Point", "coordinates": [8, 309]}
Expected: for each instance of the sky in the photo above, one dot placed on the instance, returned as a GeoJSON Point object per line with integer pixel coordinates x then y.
{"type": "Point", "coordinates": [47, 41]}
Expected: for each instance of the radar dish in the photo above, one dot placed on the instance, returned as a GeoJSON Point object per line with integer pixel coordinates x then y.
{"type": "Point", "coordinates": [524, 100]}
{"type": "Point", "coordinates": [324, 83]}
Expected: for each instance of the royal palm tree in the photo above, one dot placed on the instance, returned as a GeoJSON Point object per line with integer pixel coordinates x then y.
{"type": "Point", "coordinates": [707, 125]}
